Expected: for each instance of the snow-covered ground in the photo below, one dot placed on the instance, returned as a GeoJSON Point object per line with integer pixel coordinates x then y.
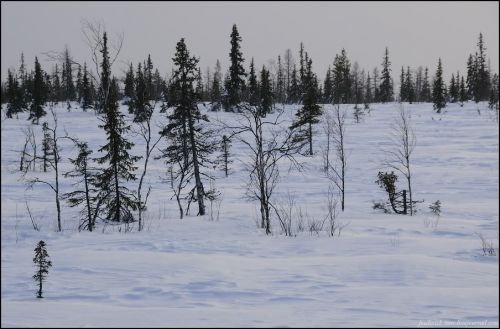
{"type": "Point", "coordinates": [383, 270]}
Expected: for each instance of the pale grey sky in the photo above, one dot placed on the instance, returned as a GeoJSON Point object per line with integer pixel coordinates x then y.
{"type": "Point", "coordinates": [417, 33]}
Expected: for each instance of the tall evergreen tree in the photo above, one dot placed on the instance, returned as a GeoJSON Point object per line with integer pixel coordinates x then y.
{"type": "Point", "coordinates": [189, 143]}
{"type": "Point", "coordinates": [426, 87]}
{"type": "Point", "coordinates": [118, 200]}
{"type": "Point", "coordinates": [39, 95]}
{"type": "Point", "coordinates": [453, 90]}
{"type": "Point", "coordinates": [79, 84]}
{"type": "Point", "coordinates": [483, 74]}
{"type": "Point", "coordinates": [216, 90]}
{"type": "Point", "coordinates": [439, 89]}
{"type": "Point", "coordinates": [129, 89]}
{"type": "Point", "coordinates": [327, 87]}
{"type": "Point", "coordinates": [463, 92]}
{"type": "Point", "coordinates": [493, 99]}
{"type": "Point", "coordinates": [368, 92]}
{"type": "Point", "coordinates": [140, 105]}
{"type": "Point", "coordinates": [294, 87]}
{"type": "Point", "coordinates": [148, 76]}
{"type": "Point", "coordinates": [308, 115]}
{"type": "Point", "coordinates": [386, 91]}
{"type": "Point", "coordinates": [105, 74]}
{"type": "Point", "coordinates": [68, 85]}
{"type": "Point", "coordinates": [280, 83]}
{"type": "Point", "coordinates": [87, 91]}
{"type": "Point", "coordinates": [253, 86]}
{"type": "Point", "coordinates": [402, 86]}
{"type": "Point", "coordinates": [341, 79]}
{"type": "Point", "coordinates": [13, 95]}
{"type": "Point", "coordinates": [410, 87]}
{"type": "Point", "coordinates": [236, 83]}
{"type": "Point", "coordinates": [266, 94]}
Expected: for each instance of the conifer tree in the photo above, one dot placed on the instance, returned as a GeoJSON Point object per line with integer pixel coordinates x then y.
{"type": "Point", "coordinates": [189, 142]}
{"type": "Point", "coordinates": [86, 196]}
{"type": "Point", "coordinates": [42, 264]}
{"type": "Point", "coordinates": [253, 86]}
{"type": "Point", "coordinates": [47, 146]}
{"type": "Point", "coordinates": [402, 86]}
{"type": "Point", "coordinates": [327, 87]}
{"type": "Point", "coordinates": [280, 83]}
{"type": "Point", "coordinates": [39, 99]}
{"type": "Point", "coordinates": [23, 95]}
{"type": "Point", "coordinates": [199, 85]}
{"type": "Point", "coordinates": [368, 97]}
{"type": "Point", "coordinates": [69, 87]}
{"type": "Point", "coordinates": [148, 76]}
{"type": "Point", "coordinates": [118, 200]}
{"type": "Point", "coordinates": [79, 84]}
{"type": "Point", "coordinates": [57, 92]}
{"type": "Point", "coordinates": [376, 91]}
{"type": "Point", "coordinates": [129, 90]}
{"type": "Point", "coordinates": [341, 79]}
{"type": "Point", "coordinates": [453, 90]}
{"type": "Point", "coordinates": [236, 83]}
{"type": "Point", "coordinates": [410, 88]}
{"type": "Point", "coordinates": [105, 74]}
{"type": "Point", "coordinates": [87, 90]}
{"type": "Point", "coordinates": [482, 74]}
{"type": "Point", "coordinates": [426, 88]}
{"type": "Point", "coordinates": [226, 160]}
{"type": "Point", "coordinates": [265, 93]}
{"type": "Point", "coordinates": [493, 99]}
{"type": "Point", "coordinates": [13, 95]}
{"type": "Point", "coordinates": [386, 91]}
{"type": "Point", "coordinates": [294, 87]}
{"type": "Point", "coordinates": [310, 111]}
{"type": "Point", "coordinates": [463, 92]}
{"type": "Point", "coordinates": [216, 90]}
{"type": "Point", "coordinates": [140, 105]}
{"type": "Point", "coordinates": [439, 89]}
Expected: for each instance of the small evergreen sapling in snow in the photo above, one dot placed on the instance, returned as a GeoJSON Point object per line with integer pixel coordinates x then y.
{"type": "Point", "coordinates": [43, 264]}
{"type": "Point", "coordinates": [436, 208]}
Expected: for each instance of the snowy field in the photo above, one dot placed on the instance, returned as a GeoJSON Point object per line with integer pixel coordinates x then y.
{"type": "Point", "coordinates": [383, 270]}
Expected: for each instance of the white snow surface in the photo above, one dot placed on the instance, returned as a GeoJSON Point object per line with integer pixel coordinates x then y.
{"type": "Point", "coordinates": [383, 270]}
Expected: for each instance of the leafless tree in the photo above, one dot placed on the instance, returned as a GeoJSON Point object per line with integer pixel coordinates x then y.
{"type": "Point", "coordinates": [403, 142]}
{"type": "Point", "coordinates": [54, 163]}
{"type": "Point", "coordinates": [336, 170]}
{"type": "Point", "coordinates": [267, 150]}
{"type": "Point", "coordinates": [144, 130]}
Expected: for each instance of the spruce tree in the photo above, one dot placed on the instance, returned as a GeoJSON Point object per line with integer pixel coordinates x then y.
{"type": "Point", "coordinates": [148, 76]}
{"type": "Point", "coordinates": [253, 87]}
{"type": "Point", "coordinates": [225, 153]}
{"type": "Point", "coordinates": [463, 92]}
{"type": "Point", "coordinates": [129, 90]}
{"type": "Point", "coordinates": [189, 143]}
{"type": "Point", "coordinates": [439, 89]}
{"type": "Point", "coordinates": [105, 74]}
{"type": "Point", "coordinates": [23, 94]}
{"type": "Point", "coordinates": [216, 90]}
{"type": "Point", "coordinates": [402, 86]}
{"type": "Point", "coordinates": [42, 266]}
{"type": "Point", "coordinates": [140, 106]}
{"type": "Point", "coordinates": [368, 92]}
{"type": "Point", "coordinates": [86, 196]}
{"type": "Point", "coordinates": [341, 79]}
{"type": "Point", "coordinates": [199, 85]}
{"type": "Point", "coordinates": [236, 83]}
{"type": "Point", "coordinates": [79, 84]}
{"type": "Point", "coordinates": [87, 91]}
{"type": "Point", "coordinates": [13, 95]}
{"type": "Point", "coordinates": [482, 73]}
{"type": "Point", "coordinates": [426, 88]}
{"type": "Point", "coordinates": [310, 111]}
{"type": "Point", "coordinates": [327, 87]}
{"type": "Point", "coordinates": [280, 83]}
{"type": "Point", "coordinates": [376, 90]}
{"type": "Point", "coordinates": [294, 87]}
{"type": "Point", "coordinates": [39, 99]}
{"type": "Point", "coordinates": [47, 146]}
{"type": "Point", "coordinates": [118, 200]}
{"type": "Point", "coordinates": [453, 90]}
{"type": "Point", "coordinates": [265, 93]}
{"type": "Point", "coordinates": [493, 98]}
{"type": "Point", "coordinates": [386, 91]}
{"type": "Point", "coordinates": [69, 87]}
{"type": "Point", "coordinates": [410, 88]}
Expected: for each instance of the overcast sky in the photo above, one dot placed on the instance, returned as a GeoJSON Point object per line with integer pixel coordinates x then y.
{"type": "Point", "coordinates": [416, 33]}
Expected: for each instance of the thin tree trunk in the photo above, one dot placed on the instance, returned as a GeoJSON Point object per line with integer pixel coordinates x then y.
{"type": "Point", "coordinates": [199, 185]}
